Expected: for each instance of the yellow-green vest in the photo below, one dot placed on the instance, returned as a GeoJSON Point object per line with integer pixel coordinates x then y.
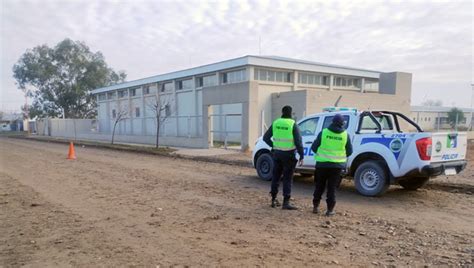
{"type": "Point", "coordinates": [282, 130]}
{"type": "Point", "coordinates": [332, 147]}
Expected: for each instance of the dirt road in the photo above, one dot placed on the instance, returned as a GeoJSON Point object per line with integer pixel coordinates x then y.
{"type": "Point", "coordinates": [111, 208]}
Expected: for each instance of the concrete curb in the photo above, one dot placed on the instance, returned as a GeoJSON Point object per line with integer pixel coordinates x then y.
{"type": "Point", "coordinates": [139, 150]}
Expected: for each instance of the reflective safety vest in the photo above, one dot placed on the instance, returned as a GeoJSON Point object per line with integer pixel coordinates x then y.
{"type": "Point", "coordinates": [282, 130]}
{"type": "Point", "coordinates": [332, 147]}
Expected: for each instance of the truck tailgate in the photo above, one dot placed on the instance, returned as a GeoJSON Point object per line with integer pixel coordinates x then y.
{"type": "Point", "coordinates": [448, 146]}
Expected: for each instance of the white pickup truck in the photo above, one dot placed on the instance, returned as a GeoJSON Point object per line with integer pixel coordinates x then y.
{"type": "Point", "coordinates": [383, 153]}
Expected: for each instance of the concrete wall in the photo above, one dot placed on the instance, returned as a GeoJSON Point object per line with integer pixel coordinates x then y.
{"type": "Point", "coordinates": [86, 129]}
{"type": "Point", "coordinates": [296, 99]}
{"type": "Point", "coordinates": [265, 103]}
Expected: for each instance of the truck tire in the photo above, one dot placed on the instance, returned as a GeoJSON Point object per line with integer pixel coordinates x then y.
{"type": "Point", "coordinates": [413, 184]}
{"type": "Point", "coordinates": [264, 166]}
{"type": "Point", "coordinates": [371, 179]}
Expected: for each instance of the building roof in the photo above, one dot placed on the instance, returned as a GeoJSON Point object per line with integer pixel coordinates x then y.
{"type": "Point", "coordinates": [11, 116]}
{"type": "Point", "coordinates": [437, 109]}
{"type": "Point", "coordinates": [263, 61]}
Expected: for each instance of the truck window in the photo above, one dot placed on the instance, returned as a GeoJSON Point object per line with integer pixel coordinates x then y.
{"type": "Point", "coordinates": [384, 120]}
{"type": "Point", "coordinates": [328, 121]}
{"type": "Point", "coordinates": [308, 127]}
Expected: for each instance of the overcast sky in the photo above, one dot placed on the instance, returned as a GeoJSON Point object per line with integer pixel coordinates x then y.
{"type": "Point", "coordinates": [431, 39]}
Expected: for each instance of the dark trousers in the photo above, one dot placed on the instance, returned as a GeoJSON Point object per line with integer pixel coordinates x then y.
{"type": "Point", "coordinates": [284, 164]}
{"type": "Point", "coordinates": [330, 177]}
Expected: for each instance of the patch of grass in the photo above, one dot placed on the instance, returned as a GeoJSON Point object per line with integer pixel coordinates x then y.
{"type": "Point", "coordinates": [220, 144]}
{"type": "Point", "coordinates": [137, 148]}
{"type": "Point", "coordinates": [13, 133]}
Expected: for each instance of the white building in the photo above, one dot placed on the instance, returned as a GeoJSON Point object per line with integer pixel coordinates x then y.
{"type": "Point", "coordinates": [436, 117]}
{"type": "Point", "coordinates": [239, 98]}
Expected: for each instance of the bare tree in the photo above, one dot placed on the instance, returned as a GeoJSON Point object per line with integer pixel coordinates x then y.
{"type": "Point", "coordinates": [120, 116]}
{"type": "Point", "coordinates": [161, 107]}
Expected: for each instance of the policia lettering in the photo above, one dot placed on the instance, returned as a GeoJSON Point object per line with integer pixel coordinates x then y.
{"type": "Point", "coordinates": [332, 148]}
{"type": "Point", "coordinates": [282, 129]}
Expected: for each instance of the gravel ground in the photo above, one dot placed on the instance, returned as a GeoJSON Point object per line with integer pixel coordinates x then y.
{"type": "Point", "coordinates": [111, 208]}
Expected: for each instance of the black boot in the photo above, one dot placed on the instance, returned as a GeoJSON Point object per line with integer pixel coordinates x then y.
{"type": "Point", "coordinates": [315, 207]}
{"type": "Point", "coordinates": [275, 202]}
{"type": "Point", "coordinates": [330, 211]}
{"type": "Point", "coordinates": [287, 205]}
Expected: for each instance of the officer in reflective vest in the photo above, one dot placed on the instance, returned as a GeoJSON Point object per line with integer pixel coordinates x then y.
{"type": "Point", "coordinates": [331, 149]}
{"type": "Point", "coordinates": [286, 140]}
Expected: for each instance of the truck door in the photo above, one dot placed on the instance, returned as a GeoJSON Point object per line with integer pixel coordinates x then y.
{"type": "Point", "coordinates": [309, 129]}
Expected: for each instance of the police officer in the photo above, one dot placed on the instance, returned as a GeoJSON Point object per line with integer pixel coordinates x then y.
{"type": "Point", "coordinates": [331, 148]}
{"type": "Point", "coordinates": [286, 139]}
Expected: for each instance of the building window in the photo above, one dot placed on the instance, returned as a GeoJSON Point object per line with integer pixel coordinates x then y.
{"type": "Point", "coordinates": [200, 82]}
{"type": "Point", "coordinates": [206, 81]}
{"type": "Point", "coordinates": [443, 120]}
{"type": "Point", "coordinates": [273, 76]}
{"type": "Point", "coordinates": [234, 77]}
{"type": "Point", "coordinates": [133, 92]}
{"type": "Point", "coordinates": [166, 87]}
{"type": "Point", "coordinates": [123, 93]}
{"type": "Point", "coordinates": [102, 97]}
{"type": "Point", "coordinates": [312, 79]}
{"type": "Point", "coordinates": [146, 89]}
{"type": "Point", "coordinates": [114, 113]}
{"type": "Point", "coordinates": [346, 82]}
{"type": "Point", "coordinates": [137, 112]}
{"type": "Point", "coordinates": [111, 95]}
{"type": "Point", "coordinates": [167, 110]}
{"type": "Point", "coordinates": [184, 84]}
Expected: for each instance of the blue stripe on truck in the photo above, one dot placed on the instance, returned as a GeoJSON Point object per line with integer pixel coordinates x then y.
{"type": "Point", "coordinates": [393, 144]}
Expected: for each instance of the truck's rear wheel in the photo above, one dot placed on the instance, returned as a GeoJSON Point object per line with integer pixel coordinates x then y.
{"type": "Point", "coordinates": [264, 166]}
{"type": "Point", "coordinates": [413, 183]}
{"type": "Point", "coordinates": [371, 179]}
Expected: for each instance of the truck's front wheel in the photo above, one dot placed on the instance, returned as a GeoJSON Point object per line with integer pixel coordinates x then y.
{"type": "Point", "coordinates": [371, 178]}
{"type": "Point", "coordinates": [264, 166]}
{"type": "Point", "coordinates": [413, 183]}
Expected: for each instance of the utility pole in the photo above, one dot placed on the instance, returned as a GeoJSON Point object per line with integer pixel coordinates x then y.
{"type": "Point", "coordinates": [260, 45]}
{"type": "Point", "coordinates": [472, 94]}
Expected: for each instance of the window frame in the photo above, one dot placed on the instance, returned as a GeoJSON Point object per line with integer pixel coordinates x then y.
{"type": "Point", "coordinates": [317, 118]}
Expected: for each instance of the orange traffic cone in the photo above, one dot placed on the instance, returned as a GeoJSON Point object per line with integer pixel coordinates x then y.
{"type": "Point", "coordinates": [72, 153]}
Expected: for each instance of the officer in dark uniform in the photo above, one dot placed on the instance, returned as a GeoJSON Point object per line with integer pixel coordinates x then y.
{"type": "Point", "coordinates": [331, 149]}
{"type": "Point", "coordinates": [286, 140]}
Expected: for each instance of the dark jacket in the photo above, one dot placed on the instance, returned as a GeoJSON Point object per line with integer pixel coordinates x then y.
{"type": "Point", "coordinates": [317, 142]}
{"type": "Point", "coordinates": [296, 136]}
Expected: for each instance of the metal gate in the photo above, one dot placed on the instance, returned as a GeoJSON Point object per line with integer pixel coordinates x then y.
{"type": "Point", "coordinates": [227, 130]}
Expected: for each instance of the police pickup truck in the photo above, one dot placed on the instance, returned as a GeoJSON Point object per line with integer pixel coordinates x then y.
{"type": "Point", "coordinates": [383, 153]}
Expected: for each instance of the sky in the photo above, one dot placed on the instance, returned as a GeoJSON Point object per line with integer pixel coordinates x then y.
{"type": "Point", "coordinates": [433, 40]}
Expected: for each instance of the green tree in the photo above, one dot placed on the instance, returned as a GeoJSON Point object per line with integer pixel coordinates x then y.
{"type": "Point", "coordinates": [455, 115]}
{"type": "Point", "coordinates": [60, 79]}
